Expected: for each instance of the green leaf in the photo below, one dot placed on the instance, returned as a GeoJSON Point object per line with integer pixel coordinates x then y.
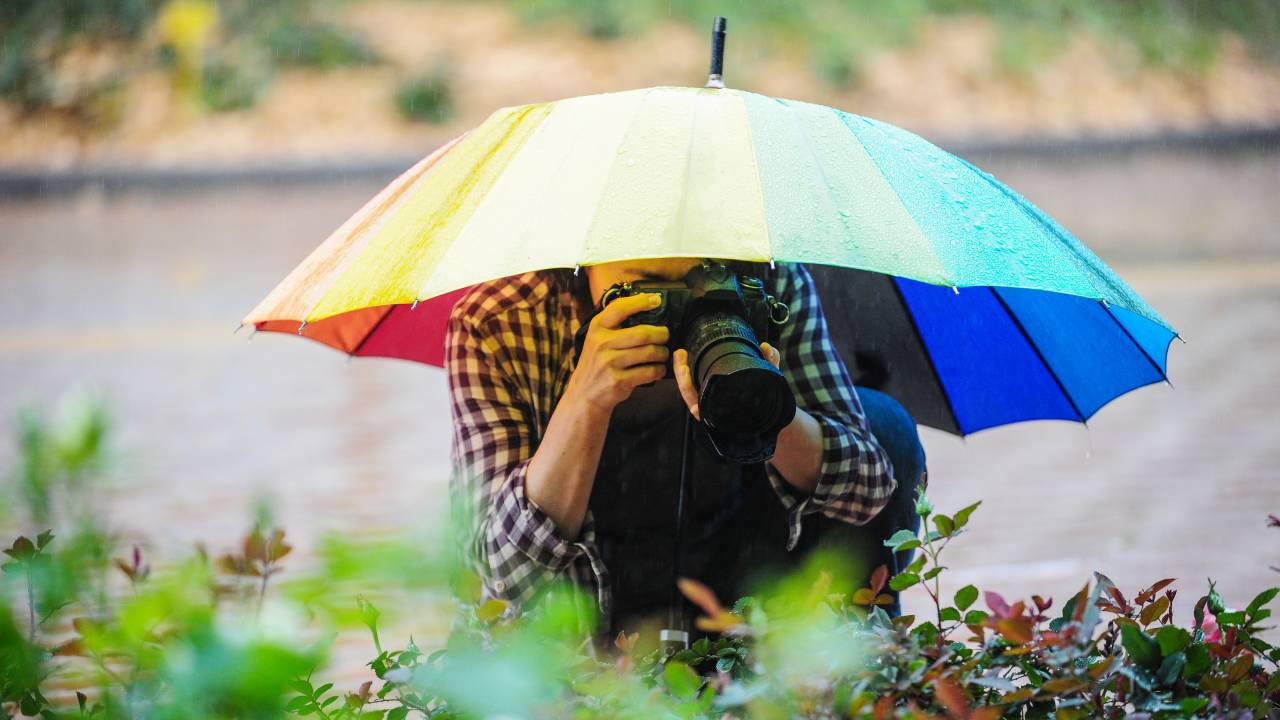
{"type": "Point", "coordinates": [934, 572]}
{"type": "Point", "coordinates": [725, 664]}
{"type": "Point", "coordinates": [1141, 647]}
{"type": "Point", "coordinates": [1263, 598]}
{"type": "Point", "coordinates": [901, 538]}
{"type": "Point", "coordinates": [399, 713]}
{"type": "Point", "coordinates": [1198, 660]}
{"type": "Point", "coordinates": [1191, 705]}
{"type": "Point", "coordinates": [902, 581]}
{"type": "Point", "coordinates": [975, 617]}
{"type": "Point", "coordinates": [1171, 668]}
{"type": "Point", "coordinates": [916, 565]}
{"type": "Point", "coordinates": [1172, 639]}
{"type": "Point", "coordinates": [962, 517]}
{"type": "Point", "coordinates": [682, 681]}
{"type": "Point", "coordinates": [1232, 618]}
{"type": "Point", "coordinates": [950, 614]}
{"type": "Point", "coordinates": [302, 686]}
{"type": "Point", "coordinates": [966, 596]}
{"type": "Point", "coordinates": [945, 525]}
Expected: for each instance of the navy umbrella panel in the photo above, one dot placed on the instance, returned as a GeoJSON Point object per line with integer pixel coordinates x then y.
{"type": "Point", "coordinates": [968, 359]}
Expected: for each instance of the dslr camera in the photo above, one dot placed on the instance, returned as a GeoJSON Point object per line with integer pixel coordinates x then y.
{"type": "Point", "coordinates": [719, 317]}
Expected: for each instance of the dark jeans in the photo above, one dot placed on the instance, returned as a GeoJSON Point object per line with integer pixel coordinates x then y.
{"type": "Point", "coordinates": [860, 547]}
{"type": "Point", "coordinates": [896, 432]}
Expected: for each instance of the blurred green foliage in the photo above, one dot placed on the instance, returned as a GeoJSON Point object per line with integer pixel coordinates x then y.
{"type": "Point", "coordinates": [316, 43]}
{"type": "Point", "coordinates": [222, 53]}
{"type": "Point", "coordinates": [836, 35]}
{"type": "Point", "coordinates": [206, 637]}
{"type": "Point", "coordinates": [427, 97]}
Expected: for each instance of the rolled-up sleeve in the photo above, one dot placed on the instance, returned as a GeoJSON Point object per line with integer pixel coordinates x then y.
{"type": "Point", "coordinates": [856, 478]}
{"type": "Point", "coordinates": [511, 542]}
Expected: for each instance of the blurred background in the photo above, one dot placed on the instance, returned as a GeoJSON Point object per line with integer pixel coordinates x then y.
{"type": "Point", "coordinates": [164, 164]}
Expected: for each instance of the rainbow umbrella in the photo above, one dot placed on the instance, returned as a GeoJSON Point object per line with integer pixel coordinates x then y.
{"type": "Point", "coordinates": [716, 172]}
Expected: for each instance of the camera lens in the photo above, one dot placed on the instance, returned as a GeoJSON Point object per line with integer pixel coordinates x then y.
{"type": "Point", "coordinates": [742, 394]}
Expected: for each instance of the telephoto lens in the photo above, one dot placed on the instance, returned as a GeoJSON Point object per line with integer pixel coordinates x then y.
{"type": "Point", "coordinates": [744, 400]}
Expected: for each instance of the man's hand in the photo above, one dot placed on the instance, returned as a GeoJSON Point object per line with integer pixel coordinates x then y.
{"type": "Point", "coordinates": [616, 360]}
{"type": "Point", "coordinates": [684, 376]}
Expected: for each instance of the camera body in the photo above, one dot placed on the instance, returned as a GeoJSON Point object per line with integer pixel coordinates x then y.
{"type": "Point", "coordinates": [709, 287]}
{"type": "Point", "coordinates": [720, 317]}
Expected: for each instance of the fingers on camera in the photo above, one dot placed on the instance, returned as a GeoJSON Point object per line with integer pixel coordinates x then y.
{"type": "Point", "coordinates": [616, 312]}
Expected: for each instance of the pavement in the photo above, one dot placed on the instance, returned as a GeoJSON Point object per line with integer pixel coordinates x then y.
{"type": "Point", "coordinates": [135, 296]}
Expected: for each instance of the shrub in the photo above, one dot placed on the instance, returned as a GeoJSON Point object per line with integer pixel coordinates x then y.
{"type": "Point", "coordinates": [427, 97]}
{"type": "Point", "coordinates": [199, 638]}
{"type": "Point", "coordinates": [316, 44]}
{"type": "Point", "coordinates": [233, 82]}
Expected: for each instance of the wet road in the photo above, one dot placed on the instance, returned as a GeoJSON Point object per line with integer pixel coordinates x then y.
{"type": "Point", "coordinates": [136, 296]}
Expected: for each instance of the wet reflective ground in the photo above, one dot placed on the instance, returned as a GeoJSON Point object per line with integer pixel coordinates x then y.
{"type": "Point", "coordinates": [137, 296]}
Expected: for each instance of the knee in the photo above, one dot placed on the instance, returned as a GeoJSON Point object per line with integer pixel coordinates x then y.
{"type": "Point", "coordinates": [895, 430]}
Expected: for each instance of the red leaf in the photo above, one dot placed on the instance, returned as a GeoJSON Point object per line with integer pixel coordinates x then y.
{"type": "Point", "coordinates": [997, 604]}
{"type": "Point", "coordinates": [1082, 599]}
{"type": "Point", "coordinates": [1119, 598]}
{"type": "Point", "coordinates": [1017, 630]}
{"type": "Point", "coordinates": [70, 647]}
{"type": "Point", "coordinates": [879, 578]}
{"type": "Point", "coordinates": [1149, 594]}
{"type": "Point", "coordinates": [255, 546]}
{"type": "Point", "coordinates": [700, 595]}
{"type": "Point", "coordinates": [951, 698]}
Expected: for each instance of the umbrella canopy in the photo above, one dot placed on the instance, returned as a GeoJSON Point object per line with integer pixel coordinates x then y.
{"type": "Point", "coordinates": [685, 172]}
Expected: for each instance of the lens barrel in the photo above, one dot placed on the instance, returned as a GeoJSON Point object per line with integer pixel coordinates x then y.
{"type": "Point", "coordinates": [744, 399]}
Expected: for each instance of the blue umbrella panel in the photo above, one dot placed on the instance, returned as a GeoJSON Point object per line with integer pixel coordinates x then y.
{"type": "Point", "coordinates": [968, 359]}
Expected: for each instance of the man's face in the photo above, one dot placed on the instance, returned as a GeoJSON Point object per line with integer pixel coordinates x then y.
{"type": "Point", "coordinates": [606, 274]}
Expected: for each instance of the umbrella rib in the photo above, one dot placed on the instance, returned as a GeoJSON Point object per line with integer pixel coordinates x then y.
{"type": "Point", "coordinates": [915, 327]}
{"type": "Point", "coordinates": [1163, 375]}
{"type": "Point", "coordinates": [1027, 336]}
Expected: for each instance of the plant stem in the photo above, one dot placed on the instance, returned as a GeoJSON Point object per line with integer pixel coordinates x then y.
{"type": "Point", "coordinates": [262, 592]}
{"type": "Point", "coordinates": [31, 606]}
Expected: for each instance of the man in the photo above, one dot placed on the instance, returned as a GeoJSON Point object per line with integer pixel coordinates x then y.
{"type": "Point", "coordinates": [568, 464]}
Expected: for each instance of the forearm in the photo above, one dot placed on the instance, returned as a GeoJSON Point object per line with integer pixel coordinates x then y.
{"type": "Point", "coordinates": [798, 457]}
{"type": "Point", "coordinates": [563, 468]}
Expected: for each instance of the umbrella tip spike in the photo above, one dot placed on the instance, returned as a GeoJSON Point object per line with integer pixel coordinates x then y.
{"type": "Point", "coordinates": [302, 327]}
{"type": "Point", "coordinates": [716, 78]}
{"type": "Point", "coordinates": [955, 289]}
{"type": "Point", "coordinates": [576, 268]}
{"type": "Point", "coordinates": [414, 306]}
{"type": "Point", "coordinates": [238, 329]}
{"type": "Point", "coordinates": [772, 266]}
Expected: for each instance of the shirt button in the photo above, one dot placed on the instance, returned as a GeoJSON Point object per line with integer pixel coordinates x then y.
{"type": "Point", "coordinates": [500, 586]}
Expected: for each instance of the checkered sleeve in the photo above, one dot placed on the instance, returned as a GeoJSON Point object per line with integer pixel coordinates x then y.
{"type": "Point", "coordinates": [856, 477]}
{"type": "Point", "coordinates": [513, 545]}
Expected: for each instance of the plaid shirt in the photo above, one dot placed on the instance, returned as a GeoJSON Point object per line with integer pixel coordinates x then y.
{"type": "Point", "coordinates": [509, 355]}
